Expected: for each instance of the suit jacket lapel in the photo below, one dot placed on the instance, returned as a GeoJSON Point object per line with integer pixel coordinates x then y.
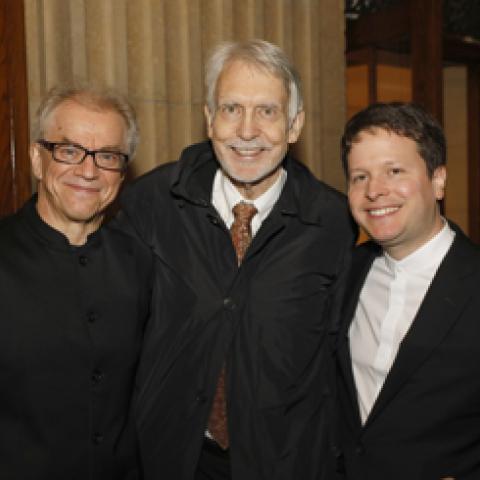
{"type": "Point", "coordinates": [361, 263]}
{"type": "Point", "coordinates": [437, 314]}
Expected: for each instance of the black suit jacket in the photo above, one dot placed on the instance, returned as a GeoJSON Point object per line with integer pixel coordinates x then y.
{"type": "Point", "coordinates": [425, 423]}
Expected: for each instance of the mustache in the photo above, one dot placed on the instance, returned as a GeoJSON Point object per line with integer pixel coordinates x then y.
{"type": "Point", "coordinates": [249, 144]}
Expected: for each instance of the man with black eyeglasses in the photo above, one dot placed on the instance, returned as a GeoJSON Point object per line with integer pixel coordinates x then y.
{"type": "Point", "coordinates": [74, 300]}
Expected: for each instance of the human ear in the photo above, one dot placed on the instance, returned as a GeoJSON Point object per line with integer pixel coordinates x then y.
{"type": "Point", "coordinates": [36, 161]}
{"type": "Point", "coordinates": [439, 181]}
{"type": "Point", "coordinates": [296, 127]}
{"type": "Point", "coordinates": [209, 120]}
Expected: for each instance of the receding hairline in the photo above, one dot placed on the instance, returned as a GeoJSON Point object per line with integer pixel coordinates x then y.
{"type": "Point", "coordinates": [89, 102]}
{"type": "Point", "coordinates": [256, 67]}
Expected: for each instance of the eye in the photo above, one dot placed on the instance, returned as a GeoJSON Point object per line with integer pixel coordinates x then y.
{"type": "Point", "coordinates": [230, 110]}
{"type": "Point", "coordinates": [357, 178]}
{"type": "Point", "coordinates": [268, 112]}
{"type": "Point", "coordinates": [110, 159]}
{"type": "Point", "coordinates": [108, 156]}
{"type": "Point", "coordinates": [395, 171]}
{"type": "Point", "coordinates": [67, 151]}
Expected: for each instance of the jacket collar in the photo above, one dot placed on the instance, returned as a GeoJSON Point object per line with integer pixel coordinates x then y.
{"type": "Point", "coordinates": [362, 260]}
{"type": "Point", "coordinates": [192, 175]}
{"type": "Point", "coordinates": [51, 237]}
{"type": "Point", "coordinates": [192, 180]}
{"type": "Point", "coordinates": [443, 302]}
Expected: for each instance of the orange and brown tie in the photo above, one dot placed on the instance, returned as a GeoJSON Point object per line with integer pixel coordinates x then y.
{"type": "Point", "coordinates": [241, 233]}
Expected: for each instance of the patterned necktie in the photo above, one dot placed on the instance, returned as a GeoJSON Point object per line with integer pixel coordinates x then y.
{"type": "Point", "coordinates": [241, 233]}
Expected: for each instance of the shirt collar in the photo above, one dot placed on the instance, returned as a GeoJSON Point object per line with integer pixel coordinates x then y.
{"type": "Point", "coordinates": [224, 189]}
{"type": "Point", "coordinates": [427, 256]}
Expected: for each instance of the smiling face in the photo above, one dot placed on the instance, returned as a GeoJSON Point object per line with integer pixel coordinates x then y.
{"type": "Point", "coordinates": [391, 194]}
{"type": "Point", "coordinates": [73, 198]}
{"type": "Point", "coordinates": [249, 130]}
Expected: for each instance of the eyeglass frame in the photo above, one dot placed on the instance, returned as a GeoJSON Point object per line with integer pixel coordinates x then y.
{"type": "Point", "coordinates": [50, 146]}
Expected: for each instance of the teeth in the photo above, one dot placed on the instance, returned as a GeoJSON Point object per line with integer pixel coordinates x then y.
{"type": "Point", "coordinates": [247, 151]}
{"type": "Point", "coordinates": [382, 211]}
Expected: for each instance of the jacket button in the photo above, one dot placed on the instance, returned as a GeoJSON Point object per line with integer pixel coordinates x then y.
{"type": "Point", "coordinates": [97, 376]}
{"type": "Point", "coordinates": [359, 450]}
{"type": "Point", "coordinates": [229, 304]}
{"type": "Point", "coordinates": [97, 438]}
{"type": "Point", "coordinates": [83, 260]}
{"type": "Point", "coordinates": [92, 317]}
{"type": "Point", "coordinates": [201, 398]}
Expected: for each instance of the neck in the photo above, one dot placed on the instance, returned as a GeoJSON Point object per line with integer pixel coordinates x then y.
{"type": "Point", "coordinates": [75, 231]}
{"type": "Point", "coordinates": [401, 250]}
{"type": "Point", "coordinates": [253, 190]}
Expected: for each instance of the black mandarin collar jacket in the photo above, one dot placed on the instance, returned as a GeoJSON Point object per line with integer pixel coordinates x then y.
{"type": "Point", "coordinates": [72, 322]}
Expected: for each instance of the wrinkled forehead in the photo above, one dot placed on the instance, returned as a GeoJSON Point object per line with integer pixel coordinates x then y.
{"type": "Point", "coordinates": [255, 67]}
{"type": "Point", "coordinates": [77, 110]}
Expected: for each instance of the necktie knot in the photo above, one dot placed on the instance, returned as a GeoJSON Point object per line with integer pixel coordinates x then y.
{"type": "Point", "coordinates": [244, 212]}
{"type": "Point", "coordinates": [240, 230]}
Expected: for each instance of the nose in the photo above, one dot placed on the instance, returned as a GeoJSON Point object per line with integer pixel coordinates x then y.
{"type": "Point", "coordinates": [248, 128]}
{"type": "Point", "coordinates": [376, 187]}
{"type": "Point", "coordinates": [87, 169]}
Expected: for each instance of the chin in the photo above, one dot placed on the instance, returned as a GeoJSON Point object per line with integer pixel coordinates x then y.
{"type": "Point", "coordinates": [84, 216]}
{"type": "Point", "coordinates": [248, 179]}
{"type": "Point", "coordinates": [252, 177]}
{"type": "Point", "coordinates": [386, 241]}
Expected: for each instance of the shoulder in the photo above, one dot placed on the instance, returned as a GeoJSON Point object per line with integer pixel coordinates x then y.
{"type": "Point", "coordinates": [155, 179]}
{"type": "Point", "coordinates": [11, 226]}
{"type": "Point", "coordinates": [320, 203]}
{"type": "Point", "coordinates": [308, 185]}
{"type": "Point", "coordinates": [366, 251]}
{"type": "Point", "coordinates": [122, 242]}
{"type": "Point", "coordinates": [158, 181]}
{"type": "Point", "coordinates": [7, 223]}
{"type": "Point", "coordinates": [462, 245]}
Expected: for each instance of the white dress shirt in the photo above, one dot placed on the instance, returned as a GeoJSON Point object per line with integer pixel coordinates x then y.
{"type": "Point", "coordinates": [388, 303]}
{"type": "Point", "coordinates": [225, 196]}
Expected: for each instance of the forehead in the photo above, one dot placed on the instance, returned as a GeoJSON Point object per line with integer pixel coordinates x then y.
{"type": "Point", "coordinates": [248, 81]}
{"type": "Point", "coordinates": [71, 118]}
{"type": "Point", "coordinates": [378, 146]}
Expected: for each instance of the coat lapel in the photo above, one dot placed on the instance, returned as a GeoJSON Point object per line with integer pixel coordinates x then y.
{"type": "Point", "coordinates": [440, 309]}
{"type": "Point", "coordinates": [294, 201]}
{"type": "Point", "coordinates": [361, 263]}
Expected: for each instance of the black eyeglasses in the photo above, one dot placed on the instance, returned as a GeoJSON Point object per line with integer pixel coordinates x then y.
{"type": "Point", "coordinates": [74, 154]}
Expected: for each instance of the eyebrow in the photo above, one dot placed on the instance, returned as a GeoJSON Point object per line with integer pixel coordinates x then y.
{"type": "Point", "coordinates": [105, 148]}
{"type": "Point", "coordinates": [261, 102]}
{"type": "Point", "coordinates": [269, 105]}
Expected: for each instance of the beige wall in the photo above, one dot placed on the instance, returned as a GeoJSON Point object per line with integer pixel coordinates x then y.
{"type": "Point", "coordinates": [154, 50]}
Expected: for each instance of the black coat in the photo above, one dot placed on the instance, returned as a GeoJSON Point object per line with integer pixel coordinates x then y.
{"type": "Point", "coordinates": [266, 319]}
{"type": "Point", "coordinates": [425, 423]}
{"type": "Point", "coordinates": [71, 327]}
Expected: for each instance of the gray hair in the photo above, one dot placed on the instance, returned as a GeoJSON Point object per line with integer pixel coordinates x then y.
{"type": "Point", "coordinates": [90, 97]}
{"type": "Point", "coordinates": [262, 54]}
